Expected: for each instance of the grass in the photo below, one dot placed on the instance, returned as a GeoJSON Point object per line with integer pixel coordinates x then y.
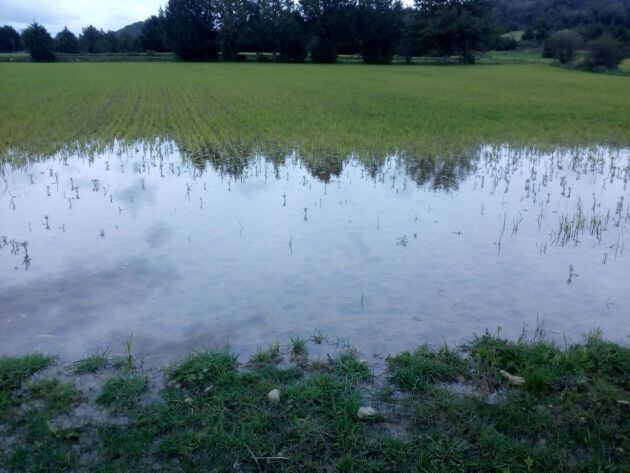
{"type": "Point", "coordinates": [92, 363]}
{"type": "Point", "coordinates": [213, 413]}
{"type": "Point", "coordinates": [123, 391]}
{"type": "Point", "coordinates": [330, 109]}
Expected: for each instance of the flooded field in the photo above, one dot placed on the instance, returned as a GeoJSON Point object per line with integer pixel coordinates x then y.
{"type": "Point", "coordinates": [388, 253]}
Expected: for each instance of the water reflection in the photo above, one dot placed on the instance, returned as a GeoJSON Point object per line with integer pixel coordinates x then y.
{"type": "Point", "coordinates": [186, 249]}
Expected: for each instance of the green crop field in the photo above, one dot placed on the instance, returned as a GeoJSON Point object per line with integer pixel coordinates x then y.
{"type": "Point", "coordinates": [46, 107]}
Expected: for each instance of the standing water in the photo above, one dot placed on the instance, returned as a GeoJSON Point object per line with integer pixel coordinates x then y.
{"type": "Point", "coordinates": [389, 253]}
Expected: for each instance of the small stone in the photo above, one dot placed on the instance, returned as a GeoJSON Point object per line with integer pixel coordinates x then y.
{"type": "Point", "coordinates": [274, 395]}
{"type": "Point", "coordinates": [516, 380]}
{"type": "Point", "coordinates": [366, 413]}
{"type": "Point", "coordinates": [208, 390]}
{"type": "Point", "coordinates": [188, 400]}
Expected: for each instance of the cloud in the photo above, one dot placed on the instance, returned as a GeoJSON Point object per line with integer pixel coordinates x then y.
{"type": "Point", "coordinates": [75, 14]}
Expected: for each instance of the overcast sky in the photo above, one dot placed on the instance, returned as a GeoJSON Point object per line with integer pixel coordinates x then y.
{"type": "Point", "coordinates": [75, 14]}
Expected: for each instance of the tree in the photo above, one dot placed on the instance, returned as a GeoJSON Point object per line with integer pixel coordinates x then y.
{"type": "Point", "coordinates": [38, 42]}
{"type": "Point", "coordinates": [330, 23]}
{"type": "Point", "coordinates": [66, 42]}
{"type": "Point", "coordinates": [190, 28]}
{"type": "Point", "coordinates": [152, 34]}
{"type": "Point", "coordinates": [9, 39]}
{"type": "Point", "coordinates": [454, 27]}
{"type": "Point", "coordinates": [379, 24]}
{"type": "Point", "coordinates": [292, 37]}
{"type": "Point", "coordinates": [562, 46]}
{"type": "Point", "coordinates": [604, 53]}
{"type": "Point", "coordinates": [90, 38]}
{"type": "Point", "coordinates": [109, 43]}
{"type": "Point", "coordinates": [265, 23]}
{"type": "Point", "coordinates": [233, 23]}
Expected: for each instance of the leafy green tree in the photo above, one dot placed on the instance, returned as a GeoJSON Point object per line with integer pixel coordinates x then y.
{"type": "Point", "coordinates": [604, 53]}
{"type": "Point", "coordinates": [190, 28]}
{"type": "Point", "coordinates": [66, 42]}
{"type": "Point", "coordinates": [330, 22]}
{"type": "Point", "coordinates": [9, 39]}
{"type": "Point", "coordinates": [89, 39]}
{"type": "Point", "coordinates": [38, 42]}
{"type": "Point", "coordinates": [152, 34]}
{"type": "Point", "coordinates": [454, 27]}
{"type": "Point", "coordinates": [562, 46]}
{"type": "Point", "coordinates": [379, 24]}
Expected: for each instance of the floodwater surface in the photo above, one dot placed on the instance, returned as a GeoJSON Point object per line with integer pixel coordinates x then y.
{"type": "Point", "coordinates": [390, 253]}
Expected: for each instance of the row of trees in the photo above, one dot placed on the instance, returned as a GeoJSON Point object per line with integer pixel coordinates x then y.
{"type": "Point", "coordinates": [91, 40]}
{"type": "Point", "coordinates": [212, 29]}
{"type": "Point", "coordinates": [290, 30]}
{"type": "Point", "coordinates": [376, 29]}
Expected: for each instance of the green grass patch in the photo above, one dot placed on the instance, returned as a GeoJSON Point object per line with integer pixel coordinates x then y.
{"type": "Point", "coordinates": [14, 370]}
{"type": "Point", "coordinates": [57, 395]}
{"type": "Point", "coordinates": [214, 414]}
{"type": "Point", "coordinates": [424, 367]}
{"type": "Point", "coordinates": [318, 109]}
{"type": "Point", "coordinates": [123, 391]}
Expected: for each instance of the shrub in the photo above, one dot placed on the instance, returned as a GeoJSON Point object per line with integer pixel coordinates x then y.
{"type": "Point", "coordinates": [604, 53]}
{"type": "Point", "coordinates": [562, 46]}
{"type": "Point", "coordinates": [503, 43]}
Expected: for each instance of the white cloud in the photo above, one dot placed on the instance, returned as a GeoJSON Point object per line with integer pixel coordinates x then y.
{"type": "Point", "coordinates": [75, 14]}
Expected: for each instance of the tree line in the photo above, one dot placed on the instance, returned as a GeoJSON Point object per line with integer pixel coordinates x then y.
{"type": "Point", "coordinates": [285, 30]}
{"type": "Point", "coordinates": [291, 31]}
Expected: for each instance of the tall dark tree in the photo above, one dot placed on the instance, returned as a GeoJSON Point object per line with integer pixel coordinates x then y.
{"type": "Point", "coordinates": [66, 42]}
{"type": "Point", "coordinates": [38, 42]}
{"type": "Point", "coordinates": [152, 34]}
{"type": "Point", "coordinates": [190, 28]}
{"type": "Point", "coordinates": [109, 43]}
{"type": "Point", "coordinates": [233, 24]}
{"type": "Point", "coordinates": [331, 24]}
{"type": "Point", "coordinates": [129, 43]}
{"type": "Point", "coordinates": [379, 25]}
{"type": "Point", "coordinates": [292, 37]}
{"type": "Point", "coordinates": [265, 25]}
{"type": "Point", "coordinates": [89, 39]}
{"type": "Point", "coordinates": [454, 27]}
{"type": "Point", "coordinates": [9, 39]}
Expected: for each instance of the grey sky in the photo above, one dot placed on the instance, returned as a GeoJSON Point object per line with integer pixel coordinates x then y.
{"type": "Point", "coordinates": [75, 14]}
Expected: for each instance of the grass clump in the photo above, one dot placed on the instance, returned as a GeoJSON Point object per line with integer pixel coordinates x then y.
{"type": "Point", "coordinates": [349, 366]}
{"type": "Point", "coordinates": [14, 370]}
{"type": "Point", "coordinates": [269, 356]}
{"type": "Point", "coordinates": [123, 391]}
{"type": "Point", "coordinates": [419, 369]}
{"type": "Point", "coordinates": [92, 363]}
{"type": "Point", "coordinates": [203, 368]}
{"type": "Point", "coordinates": [298, 348]}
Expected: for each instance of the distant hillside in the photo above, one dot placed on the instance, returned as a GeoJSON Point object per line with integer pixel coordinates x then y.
{"type": "Point", "coordinates": [133, 30]}
{"type": "Point", "coordinates": [558, 14]}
